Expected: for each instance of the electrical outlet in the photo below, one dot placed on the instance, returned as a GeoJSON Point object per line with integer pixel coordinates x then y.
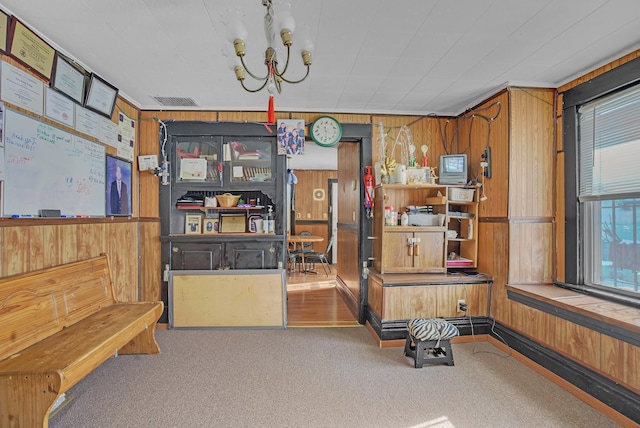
{"type": "Point", "coordinates": [462, 305]}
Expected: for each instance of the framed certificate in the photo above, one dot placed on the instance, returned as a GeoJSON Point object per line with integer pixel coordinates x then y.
{"type": "Point", "coordinates": [101, 96]}
{"type": "Point", "coordinates": [69, 79]}
{"type": "Point", "coordinates": [29, 49]}
{"type": "Point", "coordinates": [232, 223]}
{"type": "Point", "coordinates": [4, 29]}
{"type": "Point", "coordinates": [192, 224]}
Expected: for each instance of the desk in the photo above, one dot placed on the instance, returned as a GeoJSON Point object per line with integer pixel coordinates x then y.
{"type": "Point", "coordinates": [302, 239]}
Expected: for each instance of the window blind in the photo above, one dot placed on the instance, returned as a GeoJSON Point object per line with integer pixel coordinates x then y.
{"type": "Point", "coordinates": [609, 146]}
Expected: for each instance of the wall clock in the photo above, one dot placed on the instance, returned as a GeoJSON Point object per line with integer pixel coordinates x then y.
{"type": "Point", "coordinates": [326, 131]}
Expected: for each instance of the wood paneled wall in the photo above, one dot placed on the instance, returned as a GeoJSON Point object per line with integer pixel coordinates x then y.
{"type": "Point", "coordinates": [31, 244]}
{"type": "Point", "coordinates": [307, 206]}
{"type": "Point", "coordinates": [312, 214]}
{"type": "Point", "coordinates": [480, 132]}
{"type": "Point", "coordinates": [438, 133]}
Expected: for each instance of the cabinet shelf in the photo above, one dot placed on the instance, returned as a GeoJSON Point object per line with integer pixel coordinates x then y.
{"type": "Point", "coordinates": [252, 208]}
{"type": "Point", "coordinates": [404, 229]}
{"type": "Point", "coordinates": [213, 235]}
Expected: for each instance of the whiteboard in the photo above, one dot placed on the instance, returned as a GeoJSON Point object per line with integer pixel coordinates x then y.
{"type": "Point", "coordinates": [49, 168]}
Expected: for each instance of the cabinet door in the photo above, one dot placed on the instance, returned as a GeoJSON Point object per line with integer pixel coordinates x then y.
{"type": "Point", "coordinates": [250, 159]}
{"type": "Point", "coordinates": [196, 256]}
{"type": "Point", "coordinates": [395, 255]}
{"type": "Point", "coordinates": [253, 255]}
{"type": "Point", "coordinates": [197, 160]}
{"type": "Point", "coordinates": [428, 252]}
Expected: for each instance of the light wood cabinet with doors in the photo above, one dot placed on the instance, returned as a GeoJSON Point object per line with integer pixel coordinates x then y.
{"type": "Point", "coordinates": [440, 234]}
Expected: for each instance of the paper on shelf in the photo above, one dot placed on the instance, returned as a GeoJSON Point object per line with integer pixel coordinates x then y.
{"type": "Point", "coordinates": [193, 169]}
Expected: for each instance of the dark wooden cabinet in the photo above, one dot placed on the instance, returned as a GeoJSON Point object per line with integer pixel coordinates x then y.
{"type": "Point", "coordinates": [209, 159]}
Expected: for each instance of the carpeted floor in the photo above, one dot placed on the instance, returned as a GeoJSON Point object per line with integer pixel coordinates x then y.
{"type": "Point", "coordinates": [324, 377]}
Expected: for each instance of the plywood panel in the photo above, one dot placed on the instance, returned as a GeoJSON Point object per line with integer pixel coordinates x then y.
{"type": "Point", "coordinates": [427, 130]}
{"type": "Point", "coordinates": [15, 250]}
{"type": "Point", "coordinates": [410, 302]}
{"type": "Point", "coordinates": [374, 296]}
{"type": "Point", "coordinates": [476, 133]}
{"type": "Point", "coordinates": [68, 243]}
{"type": "Point", "coordinates": [631, 366]}
{"type": "Point", "coordinates": [228, 299]}
{"type": "Point", "coordinates": [349, 183]}
{"type": "Point", "coordinates": [310, 204]}
{"type": "Point", "coordinates": [493, 259]}
{"type": "Point", "coordinates": [531, 153]}
{"type": "Point", "coordinates": [611, 356]}
{"type": "Point", "coordinates": [43, 250]}
{"type": "Point", "coordinates": [429, 301]}
{"type": "Point", "coordinates": [531, 253]}
{"type": "Point", "coordinates": [150, 262]}
{"type": "Point", "coordinates": [348, 269]}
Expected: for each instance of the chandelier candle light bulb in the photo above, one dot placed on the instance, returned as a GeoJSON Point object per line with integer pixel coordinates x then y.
{"type": "Point", "coordinates": [275, 22]}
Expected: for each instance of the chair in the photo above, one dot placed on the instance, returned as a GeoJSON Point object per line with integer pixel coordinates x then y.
{"type": "Point", "coordinates": [293, 259]}
{"type": "Point", "coordinates": [306, 246]}
{"type": "Point", "coordinates": [428, 341]}
{"type": "Point", "coordinates": [323, 258]}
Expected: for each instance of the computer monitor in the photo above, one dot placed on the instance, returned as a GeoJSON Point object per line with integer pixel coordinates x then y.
{"type": "Point", "coordinates": [453, 169]}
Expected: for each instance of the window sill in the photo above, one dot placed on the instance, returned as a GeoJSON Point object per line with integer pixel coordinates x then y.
{"type": "Point", "coordinates": [610, 318]}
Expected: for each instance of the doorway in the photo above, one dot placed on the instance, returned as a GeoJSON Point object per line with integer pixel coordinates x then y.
{"type": "Point", "coordinates": [350, 227]}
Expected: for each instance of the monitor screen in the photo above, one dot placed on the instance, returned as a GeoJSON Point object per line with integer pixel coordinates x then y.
{"type": "Point", "coordinates": [454, 164]}
{"type": "Point", "coordinates": [453, 169]}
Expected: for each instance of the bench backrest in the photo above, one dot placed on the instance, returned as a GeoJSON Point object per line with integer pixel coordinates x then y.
{"type": "Point", "coordinates": [37, 304]}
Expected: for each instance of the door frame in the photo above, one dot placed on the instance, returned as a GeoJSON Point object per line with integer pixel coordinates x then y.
{"type": "Point", "coordinates": [362, 135]}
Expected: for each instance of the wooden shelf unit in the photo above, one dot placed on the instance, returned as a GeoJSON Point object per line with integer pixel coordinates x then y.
{"type": "Point", "coordinates": [450, 242]}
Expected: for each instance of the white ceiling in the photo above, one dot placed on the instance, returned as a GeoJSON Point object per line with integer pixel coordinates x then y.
{"type": "Point", "coordinates": [370, 56]}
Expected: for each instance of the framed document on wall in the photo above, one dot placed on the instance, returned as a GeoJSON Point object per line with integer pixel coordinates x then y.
{"type": "Point", "coordinates": [69, 79]}
{"type": "Point", "coordinates": [31, 50]}
{"type": "Point", "coordinates": [101, 96]}
{"type": "Point", "coordinates": [4, 30]}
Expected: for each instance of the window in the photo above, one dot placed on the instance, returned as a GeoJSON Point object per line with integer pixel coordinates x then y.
{"type": "Point", "coordinates": [602, 189]}
{"type": "Point", "coordinates": [609, 189]}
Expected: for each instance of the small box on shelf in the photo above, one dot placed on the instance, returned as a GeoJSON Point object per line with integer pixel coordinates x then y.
{"type": "Point", "coordinates": [435, 200]}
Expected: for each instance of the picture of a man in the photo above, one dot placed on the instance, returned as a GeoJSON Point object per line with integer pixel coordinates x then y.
{"type": "Point", "coordinates": [119, 203]}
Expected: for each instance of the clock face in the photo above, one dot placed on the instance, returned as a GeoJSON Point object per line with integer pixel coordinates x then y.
{"type": "Point", "coordinates": [326, 131]}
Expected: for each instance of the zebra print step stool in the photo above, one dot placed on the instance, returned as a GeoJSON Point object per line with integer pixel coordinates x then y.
{"type": "Point", "coordinates": [428, 341]}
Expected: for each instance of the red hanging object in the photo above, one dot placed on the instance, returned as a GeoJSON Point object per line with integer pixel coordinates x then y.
{"type": "Point", "coordinates": [271, 112]}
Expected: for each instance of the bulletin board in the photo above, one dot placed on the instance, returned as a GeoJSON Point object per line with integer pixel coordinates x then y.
{"type": "Point", "coordinates": [49, 168]}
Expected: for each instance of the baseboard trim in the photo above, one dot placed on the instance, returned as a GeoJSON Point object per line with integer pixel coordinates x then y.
{"type": "Point", "coordinates": [347, 297]}
{"type": "Point", "coordinates": [600, 392]}
{"type": "Point", "coordinates": [396, 329]}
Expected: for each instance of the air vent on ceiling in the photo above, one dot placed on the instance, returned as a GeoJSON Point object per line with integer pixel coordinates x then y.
{"type": "Point", "coordinates": [176, 101]}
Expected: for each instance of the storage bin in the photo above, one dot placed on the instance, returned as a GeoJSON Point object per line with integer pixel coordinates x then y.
{"type": "Point", "coordinates": [461, 195]}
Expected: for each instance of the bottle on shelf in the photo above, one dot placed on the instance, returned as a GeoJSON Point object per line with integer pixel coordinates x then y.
{"type": "Point", "coordinates": [269, 226]}
{"type": "Point", "coordinates": [404, 219]}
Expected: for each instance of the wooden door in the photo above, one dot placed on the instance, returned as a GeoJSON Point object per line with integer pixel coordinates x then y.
{"type": "Point", "coordinates": [428, 252]}
{"type": "Point", "coordinates": [395, 256]}
{"type": "Point", "coordinates": [349, 188]}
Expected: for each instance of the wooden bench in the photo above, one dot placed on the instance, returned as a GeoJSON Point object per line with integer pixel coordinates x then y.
{"type": "Point", "coordinates": [56, 326]}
